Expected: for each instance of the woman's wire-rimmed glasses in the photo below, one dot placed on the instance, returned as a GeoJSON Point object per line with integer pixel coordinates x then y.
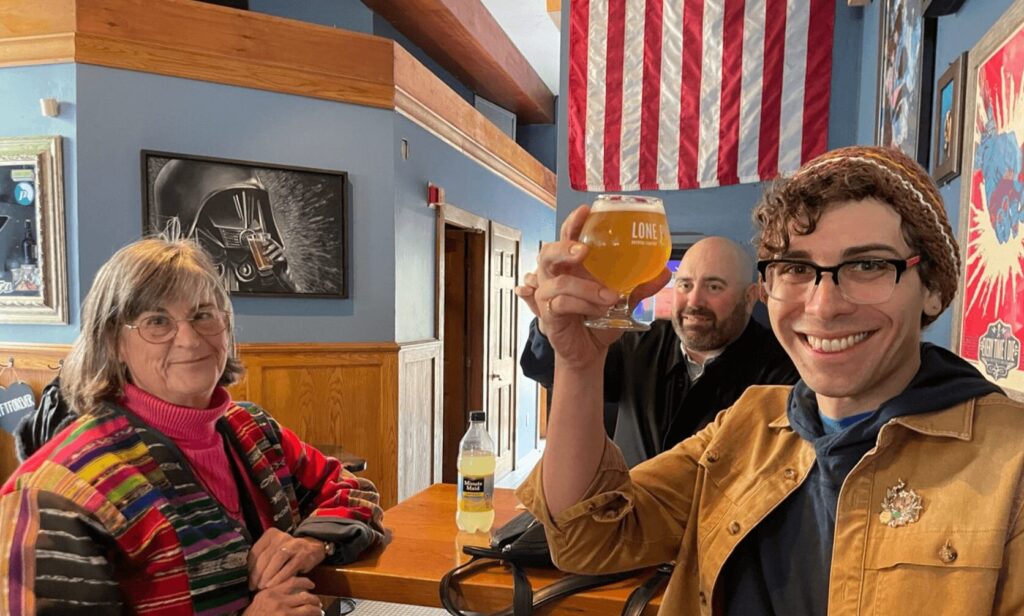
{"type": "Point", "coordinates": [160, 328]}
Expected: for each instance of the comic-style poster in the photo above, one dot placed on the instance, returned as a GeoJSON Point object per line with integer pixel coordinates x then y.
{"type": "Point", "coordinates": [991, 326]}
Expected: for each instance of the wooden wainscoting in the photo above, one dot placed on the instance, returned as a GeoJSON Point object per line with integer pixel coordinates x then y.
{"type": "Point", "coordinates": [420, 419]}
{"type": "Point", "coordinates": [332, 393]}
{"type": "Point", "coordinates": [373, 399]}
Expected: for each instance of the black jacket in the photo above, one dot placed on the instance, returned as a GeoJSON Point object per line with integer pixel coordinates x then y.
{"type": "Point", "coordinates": [645, 376]}
{"type": "Point", "coordinates": [39, 426]}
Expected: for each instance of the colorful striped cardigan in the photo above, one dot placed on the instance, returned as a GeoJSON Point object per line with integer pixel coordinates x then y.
{"type": "Point", "coordinates": [109, 518]}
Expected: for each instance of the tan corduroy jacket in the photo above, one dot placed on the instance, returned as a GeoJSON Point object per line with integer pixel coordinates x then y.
{"type": "Point", "coordinates": [696, 502]}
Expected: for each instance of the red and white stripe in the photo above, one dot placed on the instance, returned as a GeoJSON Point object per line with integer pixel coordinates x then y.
{"type": "Point", "coordinates": [677, 94]}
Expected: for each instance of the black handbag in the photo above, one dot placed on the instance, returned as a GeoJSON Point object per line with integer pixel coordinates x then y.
{"type": "Point", "coordinates": [522, 543]}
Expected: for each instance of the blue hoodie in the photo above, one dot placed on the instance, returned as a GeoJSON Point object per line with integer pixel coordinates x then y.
{"type": "Point", "coordinates": [782, 567]}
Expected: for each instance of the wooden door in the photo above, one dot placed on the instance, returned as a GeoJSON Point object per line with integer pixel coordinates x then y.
{"type": "Point", "coordinates": [502, 338]}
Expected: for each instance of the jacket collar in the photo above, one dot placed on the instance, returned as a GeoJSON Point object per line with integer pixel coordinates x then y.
{"type": "Point", "coordinates": [956, 421]}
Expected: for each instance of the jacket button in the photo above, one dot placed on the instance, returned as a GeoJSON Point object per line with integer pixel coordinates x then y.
{"type": "Point", "coordinates": [703, 598]}
{"type": "Point", "coordinates": [734, 528]}
{"type": "Point", "coordinates": [711, 456]}
{"type": "Point", "coordinates": [789, 474]}
{"type": "Point", "coordinates": [947, 553]}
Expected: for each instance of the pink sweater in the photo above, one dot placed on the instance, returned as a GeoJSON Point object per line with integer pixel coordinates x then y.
{"type": "Point", "coordinates": [194, 432]}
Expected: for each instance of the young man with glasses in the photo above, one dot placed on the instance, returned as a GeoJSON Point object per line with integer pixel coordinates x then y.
{"type": "Point", "coordinates": [888, 480]}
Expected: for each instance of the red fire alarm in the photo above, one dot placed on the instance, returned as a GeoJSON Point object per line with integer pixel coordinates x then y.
{"type": "Point", "coordinates": [435, 194]}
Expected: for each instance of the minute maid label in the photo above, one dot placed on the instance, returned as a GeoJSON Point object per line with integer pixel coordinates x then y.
{"type": "Point", "coordinates": [475, 493]}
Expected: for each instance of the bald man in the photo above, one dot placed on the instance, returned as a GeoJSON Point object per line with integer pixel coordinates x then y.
{"type": "Point", "coordinates": [665, 386]}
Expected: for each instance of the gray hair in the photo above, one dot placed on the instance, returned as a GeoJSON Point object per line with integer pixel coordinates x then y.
{"type": "Point", "coordinates": [144, 275]}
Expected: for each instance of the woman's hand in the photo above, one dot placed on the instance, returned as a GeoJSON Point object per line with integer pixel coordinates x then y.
{"type": "Point", "coordinates": [292, 596]}
{"type": "Point", "coordinates": [278, 556]}
{"type": "Point", "coordinates": [566, 295]}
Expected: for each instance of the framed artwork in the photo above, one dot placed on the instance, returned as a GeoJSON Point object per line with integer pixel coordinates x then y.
{"type": "Point", "coordinates": [271, 230]}
{"type": "Point", "coordinates": [33, 273]}
{"type": "Point", "coordinates": [906, 63]}
{"type": "Point", "coordinates": [949, 125]}
{"type": "Point", "coordinates": [988, 316]}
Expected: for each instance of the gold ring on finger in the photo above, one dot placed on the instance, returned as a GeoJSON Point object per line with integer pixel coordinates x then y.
{"type": "Point", "coordinates": [551, 310]}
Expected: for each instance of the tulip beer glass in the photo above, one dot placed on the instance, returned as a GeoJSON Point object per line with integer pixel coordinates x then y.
{"type": "Point", "coordinates": [629, 244]}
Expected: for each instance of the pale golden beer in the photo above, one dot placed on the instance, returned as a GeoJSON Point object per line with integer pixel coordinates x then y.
{"type": "Point", "coordinates": [629, 244]}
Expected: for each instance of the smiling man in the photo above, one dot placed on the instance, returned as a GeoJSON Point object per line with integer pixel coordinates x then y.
{"type": "Point", "coordinates": [667, 383]}
{"type": "Point", "coordinates": [888, 480]}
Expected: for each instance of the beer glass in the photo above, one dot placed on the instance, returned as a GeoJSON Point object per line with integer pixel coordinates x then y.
{"type": "Point", "coordinates": [629, 244]}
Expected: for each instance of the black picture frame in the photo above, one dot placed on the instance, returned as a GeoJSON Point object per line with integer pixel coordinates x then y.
{"type": "Point", "coordinates": [272, 230]}
{"type": "Point", "coordinates": [947, 139]}
{"type": "Point", "coordinates": [938, 8]}
{"type": "Point", "coordinates": [906, 66]}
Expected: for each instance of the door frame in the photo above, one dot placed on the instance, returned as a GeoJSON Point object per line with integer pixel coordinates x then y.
{"type": "Point", "coordinates": [448, 214]}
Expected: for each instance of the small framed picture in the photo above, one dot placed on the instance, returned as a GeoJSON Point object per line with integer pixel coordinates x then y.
{"type": "Point", "coordinates": [33, 269]}
{"type": "Point", "coordinates": [906, 63]}
{"type": "Point", "coordinates": [949, 121]}
{"type": "Point", "coordinates": [271, 230]}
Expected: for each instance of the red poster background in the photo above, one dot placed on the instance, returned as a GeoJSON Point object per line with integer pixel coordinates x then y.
{"type": "Point", "coordinates": [993, 286]}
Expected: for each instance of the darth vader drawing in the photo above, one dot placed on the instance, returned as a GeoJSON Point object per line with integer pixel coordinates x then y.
{"type": "Point", "coordinates": [227, 209]}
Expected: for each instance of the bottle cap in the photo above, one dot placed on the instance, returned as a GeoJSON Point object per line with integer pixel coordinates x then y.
{"type": "Point", "coordinates": [477, 416]}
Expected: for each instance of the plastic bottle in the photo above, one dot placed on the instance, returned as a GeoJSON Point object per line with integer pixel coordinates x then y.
{"type": "Point", "coordinates": [475, 510]}
{"type": "Point", "coordinates": [28, 245]}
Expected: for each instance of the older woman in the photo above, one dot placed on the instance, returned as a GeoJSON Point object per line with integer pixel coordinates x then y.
{"type": "Point", "coordinates": [166, 496]}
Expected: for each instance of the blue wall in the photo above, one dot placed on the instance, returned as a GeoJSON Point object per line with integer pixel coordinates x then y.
{"type": "Point", "coordinates": [118, 113]}
{"type": "Point", "coordinates": [347, 14]}
{"type": "Point", "coordinates": [21, 90]}
{"type": "Point", "coordinates": [470, 187]}
{"type": "Point", "coordinates": [541, 141]}
{"type": "Point", "coordinates": [956, 34]}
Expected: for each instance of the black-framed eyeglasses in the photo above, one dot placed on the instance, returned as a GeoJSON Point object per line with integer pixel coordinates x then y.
{"type": "Point", "coordinates": [860, 281]}
{"type": "Point", "coordinates": [160, 328]}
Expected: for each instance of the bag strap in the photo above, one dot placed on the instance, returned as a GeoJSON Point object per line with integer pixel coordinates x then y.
{"type": "Point", "coordinates": [524, 599]}
{"type": "Point", "coordinates": [642, 594]}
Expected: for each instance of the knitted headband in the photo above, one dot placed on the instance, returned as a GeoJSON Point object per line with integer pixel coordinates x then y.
{"type": "Point", "coordinates": [913, 194]}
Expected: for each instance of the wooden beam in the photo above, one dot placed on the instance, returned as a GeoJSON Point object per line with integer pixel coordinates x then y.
{"type": "Point", "coordinates": [425, 99]}
{"type": "Point", "coordinates": [200, 41]}
{"type": "Point", "coordinates": [196, 40]}
{"type": "Point", "coordinates": [463, 36]}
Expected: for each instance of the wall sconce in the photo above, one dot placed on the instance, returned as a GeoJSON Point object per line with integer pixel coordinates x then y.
{"type": "Point", "coordinates": [49, 107]}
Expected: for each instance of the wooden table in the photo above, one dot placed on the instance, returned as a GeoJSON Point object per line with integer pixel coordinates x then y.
{"type": "Point", "coordinates": [425, 544]}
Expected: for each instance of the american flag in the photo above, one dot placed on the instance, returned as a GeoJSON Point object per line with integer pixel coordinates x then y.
{"type": "Point", "coordinates": [678, 94]}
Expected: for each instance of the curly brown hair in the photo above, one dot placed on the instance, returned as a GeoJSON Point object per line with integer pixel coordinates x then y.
{"type": "Point", "coordinates": [795, 205]}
